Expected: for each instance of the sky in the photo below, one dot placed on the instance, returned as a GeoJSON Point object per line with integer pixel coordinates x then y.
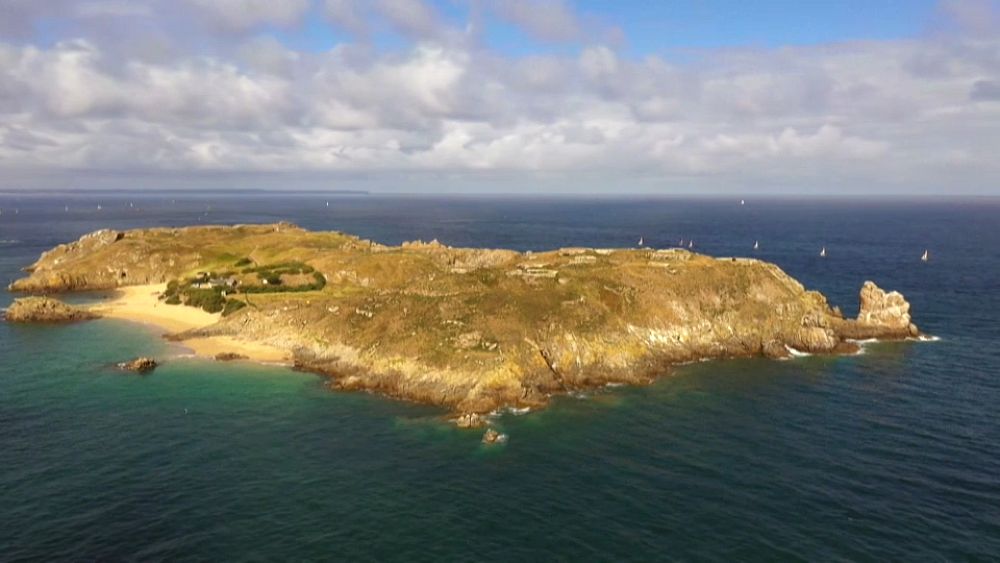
{"type": "Point", "coordinates": [502, 96]}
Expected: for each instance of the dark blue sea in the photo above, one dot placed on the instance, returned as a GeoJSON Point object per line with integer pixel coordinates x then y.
{"type": "Point", "coordinates": [890, 455]}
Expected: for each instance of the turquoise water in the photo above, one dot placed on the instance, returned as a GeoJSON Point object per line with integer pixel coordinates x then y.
{"type": "Point", "coordinates": [888, 455]}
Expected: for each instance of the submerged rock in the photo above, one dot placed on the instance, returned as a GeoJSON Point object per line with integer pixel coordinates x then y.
{"type": "Point", "coordinates": [45, 310]}
{"type": "Point", "coordinates": [139, 365]}
{"type": "Point", "coordinates": [493, 437]}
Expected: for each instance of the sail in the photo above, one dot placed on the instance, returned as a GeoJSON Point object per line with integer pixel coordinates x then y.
{"type": "Point", "coordinates": [926, 256]}
{"type": "Point", "coordinates": [823, 252]}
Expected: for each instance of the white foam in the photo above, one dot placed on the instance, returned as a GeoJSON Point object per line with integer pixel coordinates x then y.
{"type": "Point", "coordinates": [518, 412]}
{"type": "Point", "coordinates": [797, 353]}
{"type": "Point", "coordinates": [614, 384]}
{"type": "Point", "coordinates": [926, 338]}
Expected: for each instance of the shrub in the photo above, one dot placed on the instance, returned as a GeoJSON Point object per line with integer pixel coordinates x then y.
{"type": "Point", "coordinates": [244, 262]}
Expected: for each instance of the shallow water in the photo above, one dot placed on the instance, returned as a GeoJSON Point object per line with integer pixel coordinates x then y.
{"type": "Point", "coordinates": [891, 454]}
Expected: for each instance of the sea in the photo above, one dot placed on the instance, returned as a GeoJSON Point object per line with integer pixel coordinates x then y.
{"type": "Point", "coordinates": [890, 455]}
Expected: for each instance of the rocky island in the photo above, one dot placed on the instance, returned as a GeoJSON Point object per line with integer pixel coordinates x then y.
{"type": "Point", "coordinates": [472, 330]}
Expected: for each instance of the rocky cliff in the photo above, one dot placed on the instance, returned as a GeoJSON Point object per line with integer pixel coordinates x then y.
{"type": "Point", "coordinates": [475, 329]}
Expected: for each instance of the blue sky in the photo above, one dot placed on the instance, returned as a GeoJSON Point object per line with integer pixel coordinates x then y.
{"type": "Point", "coordinates": [704, 96]}
{"type": "Point", "coordinates": [660, 27]}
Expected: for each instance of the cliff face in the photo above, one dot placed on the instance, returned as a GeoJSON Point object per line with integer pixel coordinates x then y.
{"type": "Point", "coordinates": [479, 329]}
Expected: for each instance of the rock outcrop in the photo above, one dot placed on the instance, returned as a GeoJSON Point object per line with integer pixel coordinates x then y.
{"type": "Point", "coordinates": [882, 315]}
{"type": "Point", "coordinates": [45, 310]}
{"type": "Point", "coordinates": [139, 365]}
{"type": "Point", "coordinates": [476, 330]}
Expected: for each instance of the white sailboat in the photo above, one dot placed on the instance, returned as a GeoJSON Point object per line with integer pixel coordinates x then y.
{"type": "Point", "coordinates": [822, 253]}
{"type": "Point", "coordinates": [743, 202]}
{"type": "Point", "coordinates": [98, 206]}
{"type": "Point", "coordinates": [926, 256]}
{"type": "Point", "coordinates": [328, 204]}
{"type": "Point", "coordinates": [690, 244]}
{"type": "Point", "coordinates": [756, 245]}
{"type": "Point", "coordinates": [640, 241]}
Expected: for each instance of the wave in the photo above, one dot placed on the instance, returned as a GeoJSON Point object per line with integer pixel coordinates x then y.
{"type": "Point", "coordinates": [518, 412]}
{"type": "Point", "coordinates": [9, 241]}
{"type": "Point", "coordinates": [797, 353]}
{"type": "Point", "coordinates": [926, 338]}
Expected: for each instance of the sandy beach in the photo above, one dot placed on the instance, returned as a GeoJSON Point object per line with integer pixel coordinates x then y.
{"type": "Point", "coordinates": [141, 304]}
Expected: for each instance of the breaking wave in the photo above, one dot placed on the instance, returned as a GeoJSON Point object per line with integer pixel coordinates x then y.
{"type": "Point", "coordinates": [797, 353]}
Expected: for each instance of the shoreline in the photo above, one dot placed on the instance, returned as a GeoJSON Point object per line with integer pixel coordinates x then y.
{"type": "Point", "coordinates": [140, 304]}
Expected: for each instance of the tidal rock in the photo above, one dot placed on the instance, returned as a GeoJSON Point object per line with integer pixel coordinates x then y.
{"type": "Point", "coordinates": [139, 365]}
{"type": "Point", "coordinates": [45, 310]}
{"type": "Point", "coordinates": [493, 437]}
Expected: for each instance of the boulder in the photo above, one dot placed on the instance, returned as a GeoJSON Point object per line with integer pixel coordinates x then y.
{"type": "Point", "coordinates": [45, 310]}
{"type": "Point", "coordinates": [139, 365]}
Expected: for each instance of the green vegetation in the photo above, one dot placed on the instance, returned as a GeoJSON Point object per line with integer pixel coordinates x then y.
{"type": "Point", "coordinates": [193, 294]}
{"type": "Point", "coordinates": [206, 289]}
{"type": "Point", "coordinates": [271, 280]}
{"type": "Point", "coordinates": [232, 305]}
{"type": "Point", "coordinates": [210, 300]}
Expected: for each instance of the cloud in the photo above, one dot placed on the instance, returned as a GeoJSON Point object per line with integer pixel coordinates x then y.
{"type": "Point", "coordinates": [548, 20]}
{"type": "Point", "coordinates": [985, 90]}
{"type": "Point", "coordinates": [412, 17]}
{"type": "Point", "coordinates": [899, 114]}
{"type": "Point", "coordinates": [245, 14]}
{"type": "Point", "coordinates": [347, 14]}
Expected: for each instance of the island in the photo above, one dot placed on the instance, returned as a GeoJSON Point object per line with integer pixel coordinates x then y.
{"type": "Point", "coordinates": [472, 330]}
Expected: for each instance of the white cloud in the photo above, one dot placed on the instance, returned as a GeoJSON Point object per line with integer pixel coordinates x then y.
{"type": "Point", "coordinates": [244, 14]}
{"type": "Point", "coordinates": [550, 20]}
{"type": "Point", "coordinates": [897, 114]}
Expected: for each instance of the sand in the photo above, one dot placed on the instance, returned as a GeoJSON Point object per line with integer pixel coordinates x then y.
{"type": "Point", "coordinates": [141, 304]}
